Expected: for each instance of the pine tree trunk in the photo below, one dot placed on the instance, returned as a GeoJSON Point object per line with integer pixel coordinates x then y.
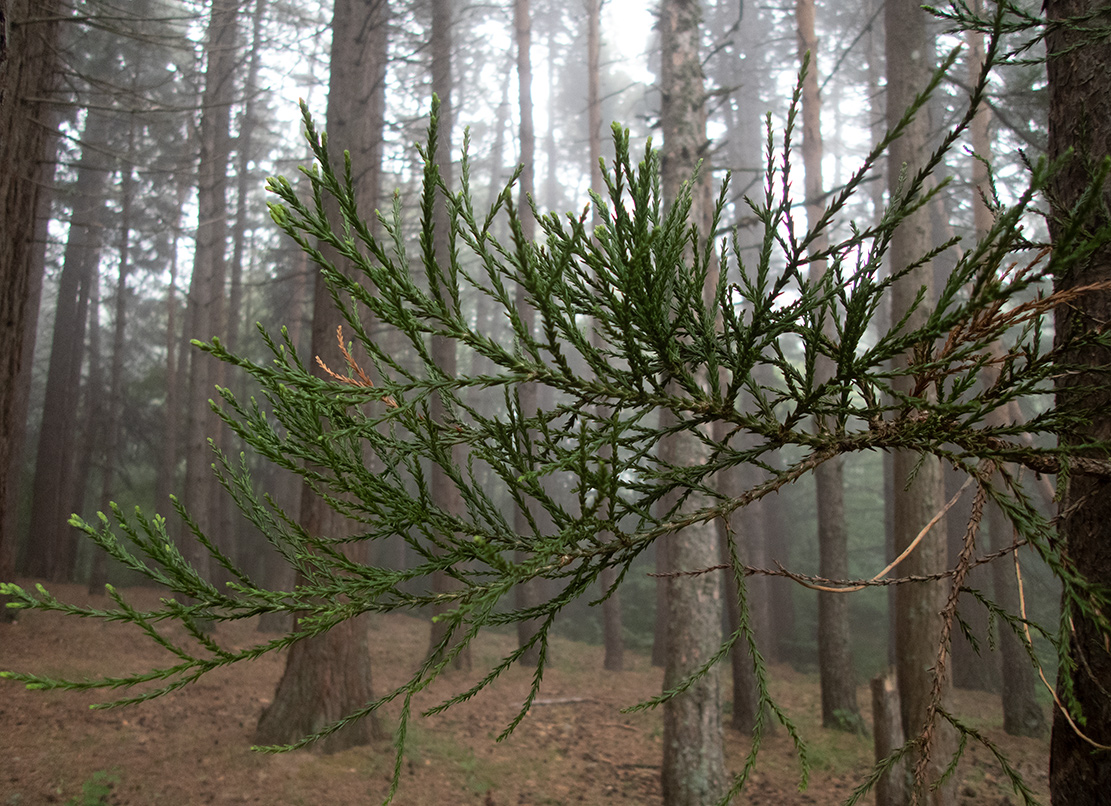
{"type": "Point", "coordinates": [28, 73]}
{"type": "Point", "coordinates": [52, 551]}
{"type": "Point", "coordinates": [835, 663]}
{"type": "Point", "coordinates": [693, 771]}
{"type": "Point", "coordinates": [887, 730]}
{"type": "Point", "coordinates": [444, 492]}
{"type": "Point", "coordinates": [329, 675]}
{"type": "Point", "coordinates": [1022, 715]}
{"type": "Point", "coordinates": [527, 593]}
{"type": "Point", "coordinates": [113, 408]}
{"type": "Point", "coordinates": [1080, 120]}
{"type": "Point", "coordinates": [613, 637]}
{"type": "Point", "coordinates": [918, 489]}
{"type": "Point", "coordinates": [166, 479]}
{"type": "Point", "coordinates": [207, 292]}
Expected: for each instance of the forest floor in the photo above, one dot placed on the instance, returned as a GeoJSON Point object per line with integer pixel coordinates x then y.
{"type": "Point", "coordinates": [576, 746]}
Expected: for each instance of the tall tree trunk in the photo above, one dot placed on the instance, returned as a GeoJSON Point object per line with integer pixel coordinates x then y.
{"type": "Point", "coordinates": [244, 147]}
{"type": "Point", "coordinates": [28, 72]}
{"type": "Point", "coordinates": [89, 428]}
{"type": "Point", "coordinates": [445, 494]}
{"type": "Point", "coordinates": [207, 292]}
{"type": "Point", "coordinates": [249, 546]}
{"type": "Point", "coordinates": [1022, 715]}
{"type": "Point", "coordinates": [693, 772]}
{"type": "Point", "coordinates": [30, 144]}
{"type": "Point", "coordinates": [1080, 121]}
{"type": "Point", "coordinates": [113, 408]}
{"type": "Point", "coordinates": [612, 630]}
{"type": "Point", "coordinates": [594, 95]}
{"type": "Point", "coordinates": [750, 529]}
{"type": "Point", "coordinates": [52, 549]}
{"type": "Point", "coordinates": [527, 593]}
{"type": "Point", "coordinates": [918, 489]}
{"type": "Point", "coordinates": [835, 662]}
{"type": "Point", "coordinates": [329, 675]}
{"type": "Point", "coordinates": [166, 477]}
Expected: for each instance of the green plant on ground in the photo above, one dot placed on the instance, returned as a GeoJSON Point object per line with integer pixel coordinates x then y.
{"type": "Point", "coordinates": [96, 789]}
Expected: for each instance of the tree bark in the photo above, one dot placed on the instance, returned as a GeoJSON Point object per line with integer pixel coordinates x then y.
{"type": "Point", "coordinates": [693, 771]}
{"type": "Point", "coordinates": [114, 403]}
{"type": "Point", "coordinates": [887, 729]}
{"type": "Point", "coordinates": [52, 549]}
{"type": "Point", "coordinates": [918, 489]}
{"type": "Point", "coordinates": [527, 594]}
{"type": "Point", "coordinates": [613, 637]}
{"type": "Point", "coordinates": [1022, 715]}
{"type": "Point", "coordinates": [835, 662]}
{"type": "Point", "coordinates": [28, 74]}
{"type": "Point", "coordinates": [445, 494]}
{"type": "Point", "coordinates": [207, 292]}
{"type": "Point", "coordinates": [1080, 121]}
{"type": "Point", "coordinates": [329, 675]}
{"type": "Point", "coordinates": [167, 473]}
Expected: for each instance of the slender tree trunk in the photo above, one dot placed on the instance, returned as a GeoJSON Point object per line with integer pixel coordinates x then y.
{"type": "Point", "coordinates": [693, 771]}
{"type": "Point", "coordinates": [612, 629]}
{"type": "Point", "coordinates": [751, 528]}
{"type": "Point", "coordinates": [171, 415]}
{"type": "Point", "coordinates": [1022, 715]}
{"type": "Point", "coordinates": [207, 292]}
{"type": "Point", "coordinates": [526, 594]}
{"type": "Point", "coordinates": [113, 408]}
{"type": "Point", "coordinates": [22, 265]}
{"type": "Point", "coordinates": [329, 675]}
{"type": "Point", "coordinates": [244, 146]}
{"type": "Point", "coordinates": [445, 493]}
{"type": "Point", "coordinates": [743, 525]}
{"type": "Point", "coordinates": [247, 546]}
{"type": "Point", "coordinates": [594, 95]}
{"type": "Point", "coordinates": [835, 662]}
{"type": "Point", "coordinates": [878, 116]}
{"type": "Point", "coordinates": [1080, 122]}
{"type": "Point", "coordinates": [89, 428]}
{"type": "Point", "coordinates": [52, 550]}
{"type": "Point", "coordinates": [918, 488]}
{"type": "Point", "coordinates": [497, 152]}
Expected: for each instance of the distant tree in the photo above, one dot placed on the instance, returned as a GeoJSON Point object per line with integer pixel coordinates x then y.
{"type": "Point", "coordinates": [612, 631]}
{"type": "Point", "coordinates": [206, 316]}
{"type": "Point", "coordinates": [110, 413]}
{"type": "Point", "coordinates": [835, 662]}
{"type": "Point", "coordinates": [444, 490]}
{"type": "Point", "coordinates": [527, 595]}
{"type": "Point", "coordinates": [51, 552]}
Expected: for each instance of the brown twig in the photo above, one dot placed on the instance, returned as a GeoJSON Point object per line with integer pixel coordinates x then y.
{"type": "Point", "coordinates": [357, 377]}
